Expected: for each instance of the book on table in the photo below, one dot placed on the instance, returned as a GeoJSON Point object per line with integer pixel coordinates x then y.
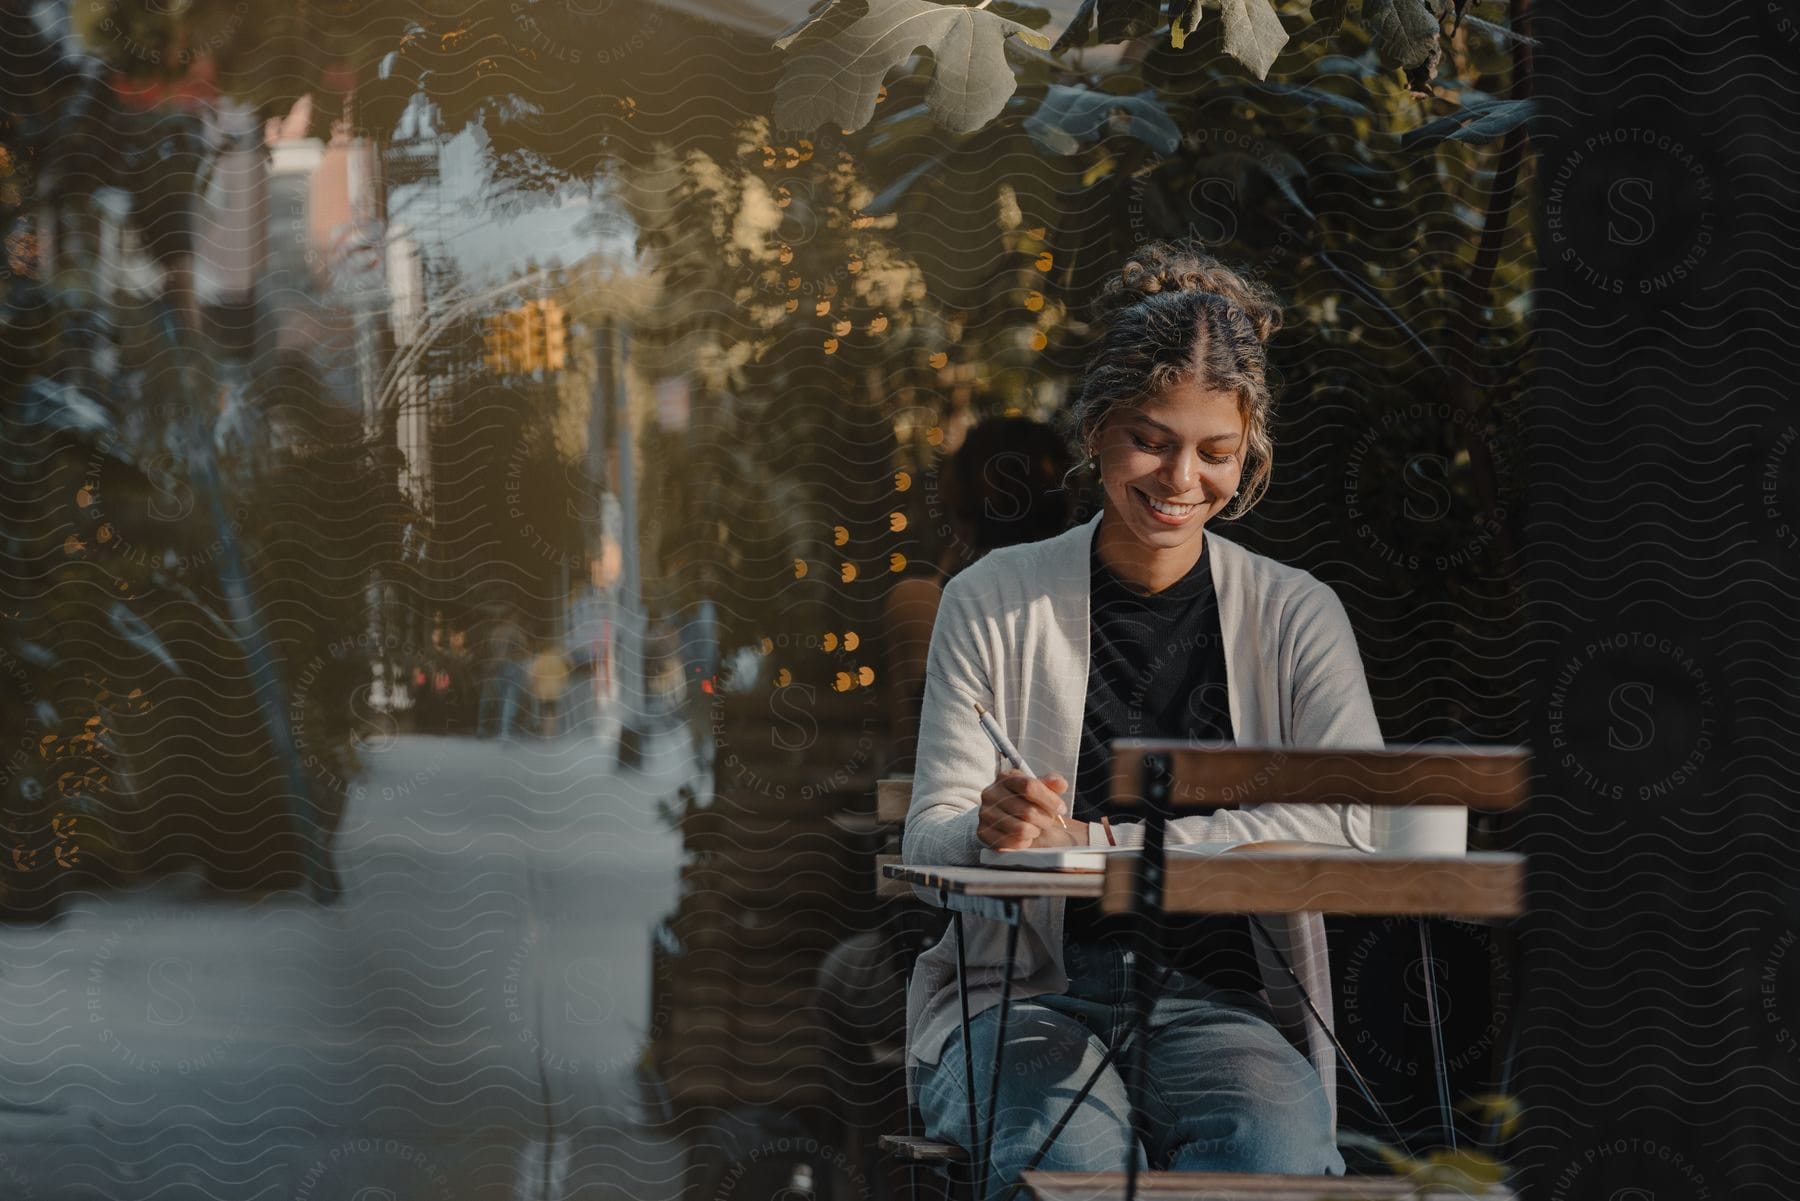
{"type": "Point", "coordinates": [1093, 859]}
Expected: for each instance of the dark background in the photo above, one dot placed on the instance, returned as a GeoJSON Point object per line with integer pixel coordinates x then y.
{"type": "Point", "coordinates": [1658, 992]}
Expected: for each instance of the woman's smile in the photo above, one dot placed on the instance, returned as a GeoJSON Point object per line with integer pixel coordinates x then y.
{"type": "Point", "coordinates": [1165, 511]}
{"type": "Point", "coordinates": [1168, 466]}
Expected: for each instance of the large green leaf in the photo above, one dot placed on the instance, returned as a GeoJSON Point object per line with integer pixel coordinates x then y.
{"type": "Point", "coordinates": [838, 59]}
{"type": "Point", "coordinates": [1253, 34]}
{"type": "Point", "coordinates": [1070, 118]}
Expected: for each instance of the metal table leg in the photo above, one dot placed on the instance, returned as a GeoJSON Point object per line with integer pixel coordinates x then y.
{"type": "Point", "coordinates": [1440, 1068]}
{"type": "Point", "coordinates": [968, 1041]}
{"type": "Point", "coordinates": [1010, 911]}
{"type": "Point", "coordinates": [987, 1138]}
{"type": "Point", "coordinates": [1147, 920]}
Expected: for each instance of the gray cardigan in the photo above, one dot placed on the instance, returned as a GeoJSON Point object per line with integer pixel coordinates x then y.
{"type": "Point", "coordinates": [1012, 633]}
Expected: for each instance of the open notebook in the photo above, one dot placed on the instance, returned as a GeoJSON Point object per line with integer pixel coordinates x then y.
{"type": "Point", "coordinates": [1093, 859]}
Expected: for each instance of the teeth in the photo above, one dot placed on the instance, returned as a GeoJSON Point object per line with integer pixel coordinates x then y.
{"type": "Point", "coordinates": [1171, 510]}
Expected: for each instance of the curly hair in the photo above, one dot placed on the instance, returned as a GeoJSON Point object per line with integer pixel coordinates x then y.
{"type": "Point", "coordinates": [1173, 312]}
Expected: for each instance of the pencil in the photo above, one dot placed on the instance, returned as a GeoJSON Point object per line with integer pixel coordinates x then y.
{"type": "Point", "coordinates": [997, 736]}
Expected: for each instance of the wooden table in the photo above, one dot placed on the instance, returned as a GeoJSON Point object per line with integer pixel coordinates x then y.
{"type": "Point", "coordinates": [1162, 779]}
{"type": "Point", "coordinates": [1473, 886]}
{"type": "Point", "coordinates": [1237, 1186]}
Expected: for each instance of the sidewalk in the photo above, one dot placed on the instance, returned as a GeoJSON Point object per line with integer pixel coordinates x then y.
{"type": "Point", "coordinates": [463, 1025]}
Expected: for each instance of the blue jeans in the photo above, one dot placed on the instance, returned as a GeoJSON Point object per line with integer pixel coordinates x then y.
{"type": "Point", "coordinates": [1227, 1092]}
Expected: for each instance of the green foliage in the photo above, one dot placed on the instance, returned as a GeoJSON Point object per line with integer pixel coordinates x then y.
{"type": "Point", "coordinates": [1253, 33]}
{"type": "Point", "coordinates": [838, 59]}
{"type": "Point", "coordinates": [844, 52]}
{"type": "Point", "coordinates": [1476, 121]}
{"type": "Point", "coordinates": [1406, 35]}
{"type": "Point", "coordinates": [827, 292]}
{"type": "Point", "coordinates": [1109, 21]}
{"type": "Point", "coordinates": [1071, 118]}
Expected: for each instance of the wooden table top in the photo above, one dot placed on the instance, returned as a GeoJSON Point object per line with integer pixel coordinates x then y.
{"type": "Point", "coordinates": [999, 881]}
{"type": "Point", "coordinates": [1478, 885]}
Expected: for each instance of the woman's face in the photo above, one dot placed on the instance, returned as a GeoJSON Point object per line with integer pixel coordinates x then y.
{"type": "Point", "coordinates": [1184, 449]}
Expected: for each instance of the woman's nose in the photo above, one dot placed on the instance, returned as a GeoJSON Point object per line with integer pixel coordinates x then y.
{"type": "Point", "coordinates": [1183, 473]}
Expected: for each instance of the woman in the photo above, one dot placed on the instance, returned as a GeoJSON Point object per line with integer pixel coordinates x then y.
{"type": "Point", "coordinates": [1140, 622]}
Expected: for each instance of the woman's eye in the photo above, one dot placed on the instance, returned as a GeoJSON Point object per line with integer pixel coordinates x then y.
{"type": "Point", "coordinates": [1143, 445]}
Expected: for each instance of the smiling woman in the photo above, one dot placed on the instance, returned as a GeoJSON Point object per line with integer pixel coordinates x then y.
{"type": "Point", "coordinates": [1185, 636]}
{"type": "Point", "coordinates": [1175, 407]}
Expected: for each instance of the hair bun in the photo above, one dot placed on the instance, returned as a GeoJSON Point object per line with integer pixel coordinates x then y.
{"type": "Point", "coordinates": [1161, 267]}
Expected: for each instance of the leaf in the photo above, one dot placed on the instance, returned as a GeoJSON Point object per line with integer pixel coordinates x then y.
{"type": "Point", "coordinates": [1462, 1171]}
{"type": "Point", "coordinates": [891, 195]}
{"type": "Point", "coordinates": [1253, 34]}
{"type": "Point", "coordinates": [1405, 32]}
{"type": "Point", "coordinates": [1184, 22]}
{"type": "Point", "coordinates": [1070, 118]}
{"type": "Point", "coordinates": [897, 127]}
{"type": "Point", "coordinates": [1080, 26]}
{"type": "Point", "coordinates": [1501, 35]}
{"type": "Point", "coordinates": [813, 13]}
{"type": "Point", "coordinates": [1343, 64]}
{"type": "Point", "coordinates": [838, 60]}
{"type": "Point", "coordinates": [1328, 16]}
{"type": "Point", "coordinates": [1482, 121]}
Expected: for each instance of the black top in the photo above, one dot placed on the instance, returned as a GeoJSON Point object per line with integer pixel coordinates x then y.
{"type": "Point", "coordinates": [1156, 670]}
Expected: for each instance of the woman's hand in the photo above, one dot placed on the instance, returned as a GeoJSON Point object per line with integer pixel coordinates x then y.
{"type": "Point", "coordinates": [1019, 811]}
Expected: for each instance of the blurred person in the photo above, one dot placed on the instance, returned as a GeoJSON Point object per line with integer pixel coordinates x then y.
{"type": "Point", "coordinates": [549, 676]}
{"type": "Point", "coordinates": [460, 694]}
{"type": "Point", "coordinates": [503, 683]}
{"type": "Point", "coordinates": [1004, 485]}
{"type": "Point", "coordinates": [698, 651]}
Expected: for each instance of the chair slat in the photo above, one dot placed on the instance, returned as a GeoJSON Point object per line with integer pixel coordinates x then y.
{"type": "Point", "coordinates": [893, 796]}
{"type": "Point", "coordinates": [1207, 776]}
